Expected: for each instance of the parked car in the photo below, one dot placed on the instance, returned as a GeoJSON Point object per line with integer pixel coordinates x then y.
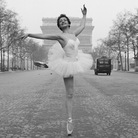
{"type": "Point", "coordinates": [103, 65]}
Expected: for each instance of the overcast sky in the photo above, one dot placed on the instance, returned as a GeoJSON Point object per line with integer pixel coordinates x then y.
{"type": "Point", "coordinates": [103, 12]}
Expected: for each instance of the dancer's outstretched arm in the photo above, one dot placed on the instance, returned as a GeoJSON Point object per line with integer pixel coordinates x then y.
{"type": "Point", "coordinates": [43, 36]}
{"type": "Point", "coordinates": [59, 37]}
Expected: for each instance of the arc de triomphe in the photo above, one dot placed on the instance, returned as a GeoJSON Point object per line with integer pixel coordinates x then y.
{"type": "Point", "coordinates": [49, 26]}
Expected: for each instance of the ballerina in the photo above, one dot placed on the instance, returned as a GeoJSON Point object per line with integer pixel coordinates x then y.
{"type": "Point", "coordinates": [65, 59]}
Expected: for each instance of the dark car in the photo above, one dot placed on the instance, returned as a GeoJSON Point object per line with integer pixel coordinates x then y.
{"type": "Point", "coordinates": [103, 65]}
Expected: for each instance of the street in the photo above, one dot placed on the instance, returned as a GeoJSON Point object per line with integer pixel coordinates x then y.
{"type": "Point", "coordinates": [32, 105]}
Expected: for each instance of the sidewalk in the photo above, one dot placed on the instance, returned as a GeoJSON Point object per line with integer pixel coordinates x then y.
{"type": "Point", "coordinates": [130, 71]}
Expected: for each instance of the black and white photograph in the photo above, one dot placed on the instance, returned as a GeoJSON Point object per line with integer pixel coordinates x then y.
{"type": "Point", "coordinates": [68, 69]}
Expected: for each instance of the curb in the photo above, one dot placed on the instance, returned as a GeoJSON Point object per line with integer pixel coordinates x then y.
{"type": "Point", "coordinates": [126, 71]}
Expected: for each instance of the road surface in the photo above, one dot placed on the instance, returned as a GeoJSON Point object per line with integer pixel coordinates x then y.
{"type": "Point", "coordinates": [32, 105]}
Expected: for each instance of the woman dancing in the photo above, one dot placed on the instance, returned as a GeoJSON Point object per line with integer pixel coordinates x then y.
{"type": "Point", "coordinates": [65, 59]}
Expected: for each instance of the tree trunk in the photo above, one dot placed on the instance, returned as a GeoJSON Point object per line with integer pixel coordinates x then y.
{"type": "Point", "coordinates": [127, 56]}
{"type": "Point", "coordinates": [1, 44]}
{"type": "Point", "coordinates": [8, 60]}
{"type": "Point", "coordinates": [136, 64]}
{"type": "Point", "coordinates": [1, 61]}
{"type": "Point", "coordinates": [120, 56]}
{"type": "Point", "coordinates": [121, 61]}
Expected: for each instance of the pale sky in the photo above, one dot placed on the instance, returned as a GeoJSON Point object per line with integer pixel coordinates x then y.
{"type": "Point", "coordinates": [103, 12]}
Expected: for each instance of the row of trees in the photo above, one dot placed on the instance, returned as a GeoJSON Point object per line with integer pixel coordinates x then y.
{"type": "Point", "coordinates": [122, 38]}
{"type": "Point", "coordinates": [15, 52]}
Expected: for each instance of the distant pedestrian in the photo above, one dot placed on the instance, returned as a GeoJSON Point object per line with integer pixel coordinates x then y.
{"type": "Point", "coordinates": [65, 59]}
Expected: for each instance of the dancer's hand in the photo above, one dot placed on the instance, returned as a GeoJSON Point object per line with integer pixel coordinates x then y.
{"type": "Point", "coordinates": [84, 10]}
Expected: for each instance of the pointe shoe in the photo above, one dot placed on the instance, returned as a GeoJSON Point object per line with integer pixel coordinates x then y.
{"type": "Point", "coordinates": [40, 64]}
{"type": "Point", "coordinates": [45, 65]}
{"type": "Point", "coordinates": [69, 127]}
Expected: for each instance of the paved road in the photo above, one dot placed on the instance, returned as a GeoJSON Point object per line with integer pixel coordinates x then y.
{"type": "Point", "coordinates": [32, 105]}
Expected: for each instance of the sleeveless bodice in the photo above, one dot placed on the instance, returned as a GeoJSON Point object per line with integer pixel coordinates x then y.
{"type": "Point", "coordinates": [71, 49]}
{"type": "Point", "coordinates": [68, 61]}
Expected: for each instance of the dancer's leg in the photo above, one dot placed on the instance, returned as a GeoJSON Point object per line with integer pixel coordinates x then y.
{"type": "Point", "coordinates": [69, 95]}
{"type": "Point", "coordinates": [69, 102]}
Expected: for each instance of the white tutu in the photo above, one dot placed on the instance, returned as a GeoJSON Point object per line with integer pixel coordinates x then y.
{"type": "Point", "coordinates": [68, 66]}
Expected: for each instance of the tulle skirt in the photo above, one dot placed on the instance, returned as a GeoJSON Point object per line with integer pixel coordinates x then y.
{"type": "Point", "coordinates": [68, 66]}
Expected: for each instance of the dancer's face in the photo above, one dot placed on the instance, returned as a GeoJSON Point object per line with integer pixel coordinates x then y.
{"type": "Point", "coordinates": [63, 22]}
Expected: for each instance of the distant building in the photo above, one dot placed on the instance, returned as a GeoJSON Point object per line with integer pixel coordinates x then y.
{"type": "Point", "coordinates": [49, 26]}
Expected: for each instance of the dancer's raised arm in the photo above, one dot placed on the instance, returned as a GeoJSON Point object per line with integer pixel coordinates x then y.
{"type": "Point", "coordinates": [83, 21]}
